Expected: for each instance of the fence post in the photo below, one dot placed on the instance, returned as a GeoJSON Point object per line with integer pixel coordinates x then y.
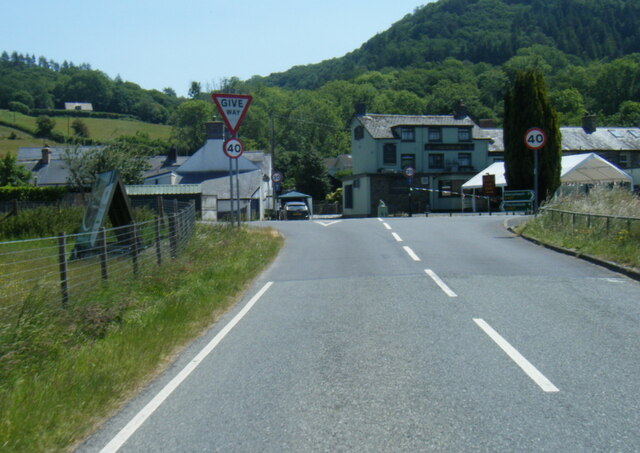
{"type": "Point", "coordinates": [62, 259]}
{"type": "Point", "coordinates": [172, 236]}
{"type": "Point", "coordinates": [158, 247]}
{"type": "Point", "coordinates": [103, 254]}
{"type": "Point", "coordinates": [608, 224]}
{"type": "Point", "coordinates": [134, 249]}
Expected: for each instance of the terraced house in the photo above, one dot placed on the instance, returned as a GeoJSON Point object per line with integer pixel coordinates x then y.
{"type": "Point", "coordinates": [443, 150]}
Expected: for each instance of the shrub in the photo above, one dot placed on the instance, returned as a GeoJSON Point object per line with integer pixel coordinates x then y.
{"type": "Point", "coordinates": [80, 128]}
{"type": "Point", "coordinates": [44, 126]}
{"type": "Point", "coordinates": [19, 107]}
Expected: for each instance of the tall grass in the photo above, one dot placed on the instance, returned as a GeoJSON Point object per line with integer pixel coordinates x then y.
{"type": "Point", "coordinates": [63, 369]}
{"type": "Point", "coordinates": [616, 240]}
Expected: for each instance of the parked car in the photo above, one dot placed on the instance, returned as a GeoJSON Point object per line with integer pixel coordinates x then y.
{"type": "Point", "coordinates": [294, 210]}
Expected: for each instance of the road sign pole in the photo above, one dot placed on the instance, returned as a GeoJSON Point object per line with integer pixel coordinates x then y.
{"type": "Point", "coordinates": [232, 212]}
{"type": "Point", "coordinates": [238, 189]}
{"type": "Point", "coordinates": [535, 139]}
{"type": "Point", "coordinates": [535, 182]}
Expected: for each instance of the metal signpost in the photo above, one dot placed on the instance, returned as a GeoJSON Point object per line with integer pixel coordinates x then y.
{"type": "Point", "coordinates": [535, 139]}
{"type": "Point", "coordinates": [233, 108]}
{"type": "Point", "coordinates": [276, 178]}
{"type": "Point", "coordinates": [409, 173]}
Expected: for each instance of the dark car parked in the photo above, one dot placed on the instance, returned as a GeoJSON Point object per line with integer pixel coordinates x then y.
{"type": "Point", "coordinates": [294, 210]}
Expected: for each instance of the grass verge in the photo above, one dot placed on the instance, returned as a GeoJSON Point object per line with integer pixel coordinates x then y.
{"type": "Point", "coordinates": [619, 242]}
{"type": "Point", "coordinates": [71, 368]}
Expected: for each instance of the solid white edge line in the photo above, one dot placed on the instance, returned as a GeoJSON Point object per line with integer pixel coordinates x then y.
{"type": "Point", "coordinates": [443, 286]}
{"type": "Point", "coordinates": [396, 237]}
{"type": "Point", "coordinates": [135, 423]}
{"type": "Point", "coordinates": [387, 226]}
{"type": "Point", "coordinates": [411, 253]}
{"type": "Point", "coordinates": [531, 371]}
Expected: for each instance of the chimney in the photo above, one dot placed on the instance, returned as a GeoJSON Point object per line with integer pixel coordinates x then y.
{"type": "Point", "coordinates": [487, 123]}
{"type": "Point", "coordinates": [361, 109]}
{"type": "Point", "coordinates": [460, 112]}
{"type": "Point", "coordinates": [172, 157]}
{"type": "Point", "coordinates": [46, 155]}
{"type": "Point", "coordinates": [215, 130]}
{"type": "Point", "coordinates": [589, 123]}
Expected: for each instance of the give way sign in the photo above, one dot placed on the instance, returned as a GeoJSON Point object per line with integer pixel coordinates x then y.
{"type": "Point", "coordinates": [233, 108]}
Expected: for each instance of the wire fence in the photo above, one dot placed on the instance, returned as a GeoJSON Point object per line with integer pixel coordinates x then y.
{"type": "Point", "coordinates": [603, 224]}
{"type": "Point", "coordinates": [57, 269]}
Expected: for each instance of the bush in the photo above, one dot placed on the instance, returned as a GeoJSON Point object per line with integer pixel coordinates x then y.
{"type": "Point", "coordinates": [19, 107]}
{"type": "Point", "coordinates": [44, 126]}
{"type": "Point", "coordinates": [45, 221]}
{"type": "Point", "coordinates": [80, 128]}
{"type": "Point", "coordinates": [32, 193]}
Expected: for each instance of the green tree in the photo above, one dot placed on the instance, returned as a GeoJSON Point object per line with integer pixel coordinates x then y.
{"type": "Point", "coordinates": [569, 104]}
{"type": "Point", "coordinates": [19, 107]}
{"type": "Point", "coordinates": [194, 90]}
{"type": "Point", "coordinates": [312, 176]}
{"type": "Point", "coordinates": [44, 126]}
{"type": "Point", "coordinates": [80, 128]}
{"type": "Point", "coordinates": [84, 164]}
{"type": "Point", "coordinates": [188, 124]}
{"type": "Point", "coordinates": [12, 174]}
{"type": "Point", "coordinates": [526, 105]}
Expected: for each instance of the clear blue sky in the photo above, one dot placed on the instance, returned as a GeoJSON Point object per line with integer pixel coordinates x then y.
{"type": "Point", "coordinates": [163, 43]}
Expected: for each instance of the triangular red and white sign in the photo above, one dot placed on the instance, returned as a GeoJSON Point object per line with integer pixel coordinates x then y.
{"type": "Point", "coordinates": [233, 108]}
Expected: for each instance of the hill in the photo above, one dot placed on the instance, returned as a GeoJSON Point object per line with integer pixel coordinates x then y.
{"type": "Point", "coordinates": [488, 31]}
{"type": "Point", "coordinates": [102, 130]}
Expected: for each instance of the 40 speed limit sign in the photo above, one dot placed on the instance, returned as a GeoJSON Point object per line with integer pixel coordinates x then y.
{"type": "Point", "coordinates": [233, 148]}
{"type": "Point", "coordinates": [535, 138]}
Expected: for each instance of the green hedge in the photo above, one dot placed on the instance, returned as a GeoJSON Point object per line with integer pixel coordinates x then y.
{"type": "Point", "coordinates": [32, 193]}
{"type": "Point", "coordinates": [81, 113]}
{"type": "Point", "coordinates": [26, 130]}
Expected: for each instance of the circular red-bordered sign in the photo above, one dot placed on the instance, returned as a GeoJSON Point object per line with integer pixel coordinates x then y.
{"type": "Point", "coordinates": [233, 148]}
{"type": "Point", "coordinates": [409, 172]}
{"type": "Point", "coordinates": [535, 138]}
{"type": "Point", "coordinates": [276, 177]}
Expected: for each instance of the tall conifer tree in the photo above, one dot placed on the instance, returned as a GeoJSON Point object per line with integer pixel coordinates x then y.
{"type": "Point", "coordinates": [526, 105]}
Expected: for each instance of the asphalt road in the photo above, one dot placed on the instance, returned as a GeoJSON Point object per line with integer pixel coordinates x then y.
{"type": "Point", "coordinates": [405, 335]}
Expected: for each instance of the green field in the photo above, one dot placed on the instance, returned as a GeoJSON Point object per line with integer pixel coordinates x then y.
{"type": "Point", "coordinates": [100, 129]}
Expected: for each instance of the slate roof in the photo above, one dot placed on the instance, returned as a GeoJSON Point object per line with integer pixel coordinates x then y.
{"type": "Point", "coordinates": [211, 158]}
{"type": "Point", "coordinates": [161, 164]}
{"type": "Point", "coordinates": [53, 174]}
{"type": "Point", "coordinates": [575, 139]}
{"type": "Point", "coordinates": [380, 126]}
{"type": "Point", "coordinates": [249, 184]}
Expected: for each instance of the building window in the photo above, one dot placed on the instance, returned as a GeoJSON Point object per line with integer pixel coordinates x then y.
{"type": "Point", "coordinates": [435, 134]}
{"type": "Point", "coordinates": [358, 132]}
{"type": "Point", "coordinates": [464, 134]}
{"type": "Point", "coordinates": [436, 161]}
{"type": "Point", "coordinates": [623, 160]}
{"type": "Point", "coordinates": [449, 189]}
{"type": "Point", "coordinates": [407, 134]}
{"type": "Point", "coordinates": [348, 196]}
{"type": "Point", "coordinates": [464, 160]}
{"type": "Point", "coordinates": [408, 160]}
{"type": "Point", "coordinates": [389, 156]}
